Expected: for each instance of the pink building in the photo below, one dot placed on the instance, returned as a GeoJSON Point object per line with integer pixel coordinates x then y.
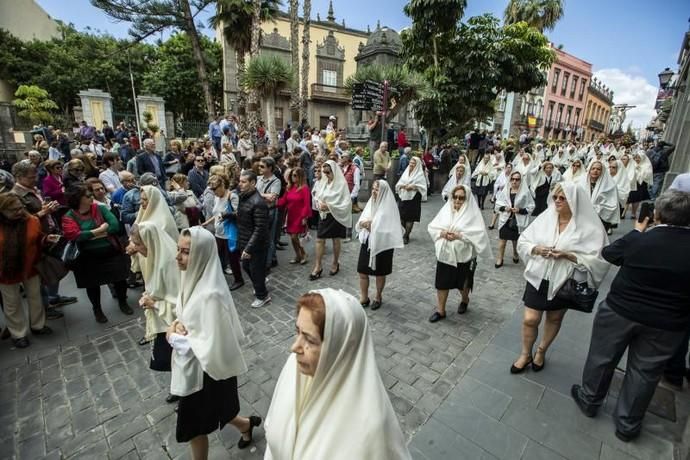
{"type": "Point", "coordinates": [565, 96]}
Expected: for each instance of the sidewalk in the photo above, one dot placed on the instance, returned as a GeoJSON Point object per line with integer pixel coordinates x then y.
{"type": "Point", "coordinates": [491, 414]}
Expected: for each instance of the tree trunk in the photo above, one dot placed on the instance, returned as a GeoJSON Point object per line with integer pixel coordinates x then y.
{"type": "Point", "coordinates": [305, 59]}
{"type": "Point", "coordinates": [269, 103]}
{"type": "Point", "coordinates": [242, 94]}
{"type": "Point", "coordinates": [295, 100]}
{"type": "Point", "coordinates": [190, 28]}
{"type": "Point", "coordinates": [253, 97]}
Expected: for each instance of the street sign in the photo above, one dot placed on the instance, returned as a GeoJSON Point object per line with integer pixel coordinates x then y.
{"type": "Point", "coordinates": [367, 96]}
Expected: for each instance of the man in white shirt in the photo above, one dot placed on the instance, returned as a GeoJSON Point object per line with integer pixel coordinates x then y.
{"type": "Point", "coordinates": [352, 177]}
{"type": "Point", "coordinates": [110, 177]}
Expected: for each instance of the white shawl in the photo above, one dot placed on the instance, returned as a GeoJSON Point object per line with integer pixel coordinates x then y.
{"type": "Point", "coordinates": [528, 171]}
{"type": "Point", "coordinates": [561, 159]}
{"type": "Point", "coordinates": [416, 178]}
{"type": "Point", "coordinates": [336, 195]}
{"type": "Point", "coordinates": [622, 183]}
{"type": "Point", "coordinates": [384, 216]}
{"type": "Point", "coordinates": [206, 309]}
{"type": "Point", "coordinates": [604, 195]}
{"type": "Point", "coordinates": [523, 200]}
{"type": "Point", "coordinates": [501, 181]}
{"type": "Point", "coordinates": [629, 171]}
{"type": "Point", "coordinates": [466, 179]}
{"type": "Point", "coordinates": [466, 164]}
{"type": "Point", "coordinates": [569, 176]}
{"type": "Point", "coordinates": [467, 221]}
{"type": "Point", "coordinates": [157, 211]}
{"type": "Point", "coordinates": [499, 162]}
{"type": "Point", "coordinates": [484, 173]}
{"type": "Point", "coordinates": [161, 277]}
{"type": "Point", "coordinates": [643, 169]}
{"type": "Point", "coordinates": [314, 418]}
{"type": "Point", "coordinates": [584, 236]}
{"type": "Point", "coordinates": [541, 177]}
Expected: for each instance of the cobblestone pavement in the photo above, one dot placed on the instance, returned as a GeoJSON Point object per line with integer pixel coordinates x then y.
{"type": "Point", "coordinates": [93, 395]}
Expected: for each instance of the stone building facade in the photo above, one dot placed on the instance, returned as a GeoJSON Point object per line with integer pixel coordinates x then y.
{"type": "Point", "coordinates": [597, 111]}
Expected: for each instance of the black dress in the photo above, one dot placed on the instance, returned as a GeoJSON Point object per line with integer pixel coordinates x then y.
{"type": "Point", "coordinates": [541, 194]}
{"type": "Point", "coordinates": [384, 262]}
{"type": "Point", "coordinates": [207, 410]}
{"type": "Point", "coordinates": [161, 354]}
{"type": "Point", "coordinates": [411, 210]}
{"type": "Point", "coordinates": [506, 233]}
{"type": "Point", "coordinates": [449, 277]}
{"type": "Point", "coordinates": [641, 194]}
{"type": "Point", "coordinates": [330, 228]}
{"type": "Point", "coordinates": [537, 299]}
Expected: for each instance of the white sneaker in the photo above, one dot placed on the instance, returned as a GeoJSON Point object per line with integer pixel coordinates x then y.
{"type": "Point", "coordinates": [258, 303]}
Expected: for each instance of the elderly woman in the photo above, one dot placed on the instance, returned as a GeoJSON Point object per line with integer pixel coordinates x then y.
{"type": "Point", "coordinates": [545, 180]}
{"type": "Point", "coordinates": [245, 146]}
{"type": "Point", "coordinates": [603, 194]}
{"type": "Point", "coordinates": [527, 166]}
{"type": "Point", "coordinates": [101, 258]}
{"type": "Point", "coordinates": [187, 210]}
{"type": "Point", "coordinates": [461, 176]}
{"type": "Point", "coordinates": [74, 173]}
{"type": "Point", "coordinates": [640, 183]}
{"type": "Point", "coordinates": [297, 203]}
{"type": "Point", "coordinates": [97, 189]}
{"type": "Point", "coordinates": [173, 159]}
{"type": "Point", "coordinates": [483, 174]}
{"type": "Point", "coordinates": [330, 375]}
{"type": "Point", "coordinates": [207, 356]}
{"type": "Point", "coordinates": [335, 210]}
{"type": "Point", "coordinates": [411, 188]}
{"type": "Point", "coordinates": [564, 242]}
{"type": "Point", "coordinates": [379, 237]}
{"type": "Point", "coordinates": [620, 177]}
{"type": "Point", "coordinates": [513, 204]}
{"type": "Point", "coordinates": [53, 188]}
{"type": "Point", "coordinates": [21, 240]}
{"type": "Point", "coordinates": [574, 172]}
{"type": "Point", "coordinates": [459, 237]}
{"type": "Point", "coordinates": [501, 182]}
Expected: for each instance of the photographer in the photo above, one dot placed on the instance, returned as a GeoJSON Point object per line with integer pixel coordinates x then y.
{"type": "Point", "coordinates": [658, 156]}
{"type": "Point", "coordinates": [646, 311]}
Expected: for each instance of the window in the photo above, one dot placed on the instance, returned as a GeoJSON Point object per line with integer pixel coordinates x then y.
{"type": "Point", "coordinates": [573, 87]}
{"type": "Point", "coordinates": [582, 89]}
{"type": "Point", "coordinates": [329, 78]}
{"type": "Point", "coordinates": [554, 83]}
{"type": "Point", "coordinates": [577, 117]}
{"type": "Point", "coordinates": [550, 117]}
{"type": "Point", "coordinates": [568, 113]}
{"type": "Point", "coordinates": [559, 115]}
{"type": "Point", "coordinates": [564, 87]}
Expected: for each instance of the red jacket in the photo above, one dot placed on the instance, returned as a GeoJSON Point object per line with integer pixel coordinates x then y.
{"type": "Point", "coordinates": [402, 140]}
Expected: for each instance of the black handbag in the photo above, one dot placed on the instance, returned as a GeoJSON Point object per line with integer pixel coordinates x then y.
{"type": "Point", "coordinates": [512, 223]}
{"type": "Point", "coordinates": [578, 296]}
{"type": "Point", "coordinates": [51, 269]}
{"type": "Point", "coordinates": [70, 254]}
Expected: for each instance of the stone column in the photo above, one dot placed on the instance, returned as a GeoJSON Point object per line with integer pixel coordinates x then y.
{"type": "Point", "coordinates": [96, 107]}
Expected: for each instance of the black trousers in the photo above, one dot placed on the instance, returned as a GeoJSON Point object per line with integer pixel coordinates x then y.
{"type": "Point", "coordinates": [648, 350]}
{"type": "Point", "coordinates": [679, 364]}
{"type": "Point", "coordinates": [256, 269]}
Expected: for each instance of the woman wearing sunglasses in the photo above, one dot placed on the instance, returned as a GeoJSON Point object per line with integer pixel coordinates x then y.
{"type": "Point", "coordinates": [513, 204]}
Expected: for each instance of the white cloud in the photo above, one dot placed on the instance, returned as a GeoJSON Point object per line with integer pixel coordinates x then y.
{"type": "Point", "coordinates": [632, 90]}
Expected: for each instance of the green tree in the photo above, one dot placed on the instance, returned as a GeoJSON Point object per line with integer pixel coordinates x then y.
{"type": "Point", "coordinates": [295, 101]}
{"type": "Point", "coordinates": [150, 17]}
{"type": "Point", "coordinates": [540, 14]}
{"type": "Point", "coordinates": [306, 40]}
{"type": "Point", "coordinates": [33, 103]}
{"type": "Point", "coordinates": [172, 75]}
{"type": "Point", "coordinates": [267, 75]}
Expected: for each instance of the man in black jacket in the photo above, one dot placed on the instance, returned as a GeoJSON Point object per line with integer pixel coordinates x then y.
{"type": "Point", "coordinates": [646, 311]}
{"type": "Point", "coordinates": [149, 161]}
{"type": "Point", "coordinates": [253, 239]}
{"type": "Point", "coordinates": [659, 157]}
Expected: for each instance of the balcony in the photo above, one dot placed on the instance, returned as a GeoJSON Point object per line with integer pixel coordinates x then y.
{"type": "Point", "coordinates": [525, 122]}
{"type": "Point", "coordinates": [329, 93]}
{"type": "Point", "coordinates": [596, 125]}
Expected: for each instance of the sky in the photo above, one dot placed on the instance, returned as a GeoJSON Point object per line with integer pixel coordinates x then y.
{"type": "Point", "coordinates": [628, 42]}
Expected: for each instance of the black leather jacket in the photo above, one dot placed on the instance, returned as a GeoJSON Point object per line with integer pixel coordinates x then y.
{"type": "Point", "coordinates": [252, 222]}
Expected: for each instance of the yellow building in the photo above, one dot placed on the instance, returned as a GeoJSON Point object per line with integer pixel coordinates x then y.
{"type": "Point", "coordinates": [332, 51]}
{"type": "Point", "coordinates": [597, 111]}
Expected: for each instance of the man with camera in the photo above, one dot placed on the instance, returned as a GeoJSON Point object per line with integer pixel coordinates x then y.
{"type": "Point", "coordinates": [647, 312]}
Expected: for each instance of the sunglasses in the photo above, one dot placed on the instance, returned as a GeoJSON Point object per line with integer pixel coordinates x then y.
{"type": "Point", "coordinates": [262, 166]}
{"type": "Point", "coordinates": [459, 197]}
{"type": "Point", "coordinates": [517, 179]}
{"type": "Point", "coordinates": [200, 161]}
{"type": "Point", "coordinates": [558, 198]}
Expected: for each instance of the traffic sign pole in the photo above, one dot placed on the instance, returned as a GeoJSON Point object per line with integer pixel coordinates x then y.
{"type": "Point", "coordinates": [384, 109]}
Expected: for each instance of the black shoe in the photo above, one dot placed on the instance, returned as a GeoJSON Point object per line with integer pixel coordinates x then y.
{"type": "Point", "coordinates": [376, 304]}
{"type": "Point", "coordinates": [584, 408]}
{"type": "Point", "coordinates": [236, 285]}
{"type": "Point", "coordinates": [274, 263]}
{"type": "Point", "coordinates": [144, 341]}
{"type": "Point", "coordinates": [54, 314]}
{"type": "Point", "coordinates": [21, 342]}
{"type": "Point", "coordinates": [61, 300]}
{"type": "Point", "coordinates": [282, 244]}
{"type": "Point", "coordinates": [172, 398]}
{"type": "Point", "coordinates": [498, 265]}
{"type": "Point", "coordinates": [365, 304]}
{"type": "Point", "coordinates": [406, 239]}
{"type": "Point", "coordinates": [626, 437]}
{"type": "Point", "coordinates": [280, 248]}
{"type": "Point", "coordinates": [5, 334]}
{"type": "Point", "coordinates": [126, 309]}
{"type": "Point", "coordinates": [516, 260]}
{"type": "Point", "coordinates": [45, 330]}
{"type": "Point", "coordinates": [436, 317]}
{"type": "Point", "coordinates": [100, 317]}
{"type": "Point", "coordinates": [462, 308]}
{"type": "Point", "coordinates": [315, 276]}
{"type": "Point", "coordinates": [254, 421]}
{"type": "Point", "coordinates": [518, 370]}
{"type": "Point", "coordinates": [334, 272]}
{"type": "Point", "coordinates": [491, 227]}
{"type": "Point", "coordinates": [539, 367]}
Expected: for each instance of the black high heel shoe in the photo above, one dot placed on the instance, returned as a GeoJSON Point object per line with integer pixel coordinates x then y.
{"type": "Point", "coordinates": [516, 260]}
{"type": "Point", "coordinates": [498, 265]}
{"type": "Point", "coordinates": [335, 272]}
{"type": "Point", "coordinates": [254, 421]}
{"type": "Point", "coordinates": [518, 370]}
{"type": "Point", "coordinates": [539, 367]}
{"type": "Point", "coordinates": [315, 276]}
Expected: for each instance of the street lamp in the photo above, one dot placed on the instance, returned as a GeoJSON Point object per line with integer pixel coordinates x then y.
{"type": "Point", "coordinates": [665, 77]}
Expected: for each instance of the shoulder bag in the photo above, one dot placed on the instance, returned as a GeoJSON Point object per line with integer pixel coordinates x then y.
{"type": "Point", "coordinates": [578, 296]}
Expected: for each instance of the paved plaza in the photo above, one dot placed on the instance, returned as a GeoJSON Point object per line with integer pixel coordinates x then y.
{"type": "Point", "coordinates": [87, 391]}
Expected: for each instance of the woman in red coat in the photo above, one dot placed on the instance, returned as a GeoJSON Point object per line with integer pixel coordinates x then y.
{"type": "Point", "coordinates": [297, 201]}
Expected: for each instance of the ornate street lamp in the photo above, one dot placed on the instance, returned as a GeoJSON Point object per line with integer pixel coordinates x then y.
{"type": "Point", "coordinates": [665, 77]}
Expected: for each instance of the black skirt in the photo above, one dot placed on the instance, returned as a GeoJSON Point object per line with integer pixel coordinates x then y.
{"type": "Point", "coordinates": [460, 277]}
{"type": "Point", "coordinates": [384, 262]}
{"type": "Point", "coordinates": [96, 267]}
{"type": "Point", "coordinates": [541, 195]}
{"type": "Point", "coordinates": [330, 228]}
{"type": "Point", "coordinates": [411, 210]}
{"type": "Point", "coordinates": [506, 233]}
{"type": "Point", "coordinates": [161, 354]}
{"type": "Point", "coordinates": [536, 299]}
{"type": "Point", "coordinates": [641, 194]}
{"type": "Point", "coordinates": [207, 410]}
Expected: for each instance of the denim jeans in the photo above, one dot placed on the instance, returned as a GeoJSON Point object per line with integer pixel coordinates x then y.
{"type": "Point", "coordinates": [657, 182]}
{"type": "Point", "coordinates": [256, 269]}
{"type": "Point", "coordinates": [273, 224]}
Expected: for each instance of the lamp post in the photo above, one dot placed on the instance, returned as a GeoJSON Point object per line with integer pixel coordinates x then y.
{"type": "Point", "coordinates": [665, 77]}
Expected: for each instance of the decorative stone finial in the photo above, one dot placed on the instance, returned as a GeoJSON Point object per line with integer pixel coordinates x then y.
{"type": "Point", "coordinates": [331, 16]}
{"type": "Point", "coordinates": [318, 17]}
{"type": "Point", "coordinates": [378, 24]}
{"type": "Point", "coordinates": [368, 29]}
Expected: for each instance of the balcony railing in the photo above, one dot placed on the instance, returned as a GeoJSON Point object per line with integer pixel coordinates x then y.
{"type": "Point", "coordinates": [596, 125]}
{"type": "Point", "coordinates": [329, 93]}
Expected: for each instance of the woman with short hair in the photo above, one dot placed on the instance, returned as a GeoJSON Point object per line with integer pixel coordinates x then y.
{"type": "Point", "coordinates": [411, 188]}
{"type": "Point", "coordinates": [187, 210]}
{"type": "Point", "coordinates": [297, 203]}
{"type": "Point", "coordinates": [564, 242]}
{"type": "Point", "coordinates": [459, 236]}
{"type": "Point", "coordinates": [513, 204]}
{"type": "Point", "coordinates": [547, 177]}
{"type": "Point", "coordinates": [330, 376]}
{"type": "Point", "coordinates": [74, 173]}
{"type": "Point", "coordinates": [53, 187]}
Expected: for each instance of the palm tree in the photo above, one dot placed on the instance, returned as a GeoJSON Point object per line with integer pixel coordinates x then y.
{"type": "Point", "coordinates": [294, 51]}
{"type": "Point", "coordinates": [266, 75]}
{"type": "Point", "coordinates": [540, 14]}
{"type": "Point", "coordinates": [235, 17]}
{"type": "Point", "coordinates": [305, 59]}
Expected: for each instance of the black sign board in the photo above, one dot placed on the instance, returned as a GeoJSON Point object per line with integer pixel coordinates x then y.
{"type": "Point", "coordinates": [367, 96]}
